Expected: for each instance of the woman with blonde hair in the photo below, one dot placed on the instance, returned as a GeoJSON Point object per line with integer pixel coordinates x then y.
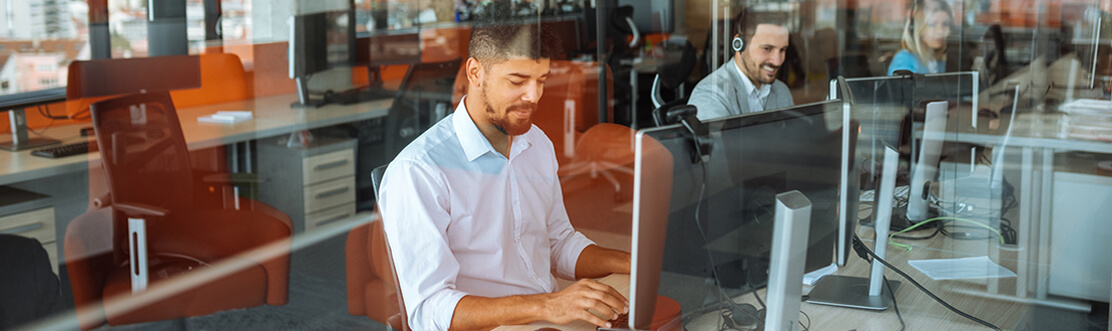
{"type": "Point", "coordinates": [923, 48]}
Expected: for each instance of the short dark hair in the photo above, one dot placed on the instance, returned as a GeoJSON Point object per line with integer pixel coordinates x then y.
{"type": "Point", "coordinates": [747, 20]}
{"type": "Point", "coordinates": [499, 34]}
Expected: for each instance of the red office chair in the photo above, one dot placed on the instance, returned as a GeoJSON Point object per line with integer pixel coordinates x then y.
{"type": "Point", "coordinates": [603, 149]}
{"type": "Point", "coordinates": [372, 289]}
{"type": "Point", "coordinates": [147, 167]}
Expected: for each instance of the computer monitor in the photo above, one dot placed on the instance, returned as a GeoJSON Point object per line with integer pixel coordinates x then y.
{"type": "Point", "coordinates": [889, 109]}
{"type": "Point", "coordinates": [391, 47]}
{"type": "Point", "coordinates": [752, 158]}
{"type": "Point", "coordinates": [652, 194]}
{"type": "Point", "coordinates": [319, 42]}
{"type": "Point", "coordinates": [652, 16]}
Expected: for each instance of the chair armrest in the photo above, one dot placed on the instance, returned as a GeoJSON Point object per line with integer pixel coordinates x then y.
{"type": "Point", "coordinates": [138, 209]}
{"type": "Point", "coordinates": [103, 200]}
{"type": "Point", "coordinates": [233, 178]}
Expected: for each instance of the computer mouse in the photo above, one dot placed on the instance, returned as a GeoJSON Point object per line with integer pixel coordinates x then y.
{"type": "Point", "coordinates": [745, 314]}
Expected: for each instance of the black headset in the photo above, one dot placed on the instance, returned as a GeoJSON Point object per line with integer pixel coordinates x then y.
{"type": "Point", "coordinates": [738, 44]}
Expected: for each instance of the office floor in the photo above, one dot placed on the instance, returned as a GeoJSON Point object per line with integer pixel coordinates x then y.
{"type": "Point", "coordinates": [318, 300]}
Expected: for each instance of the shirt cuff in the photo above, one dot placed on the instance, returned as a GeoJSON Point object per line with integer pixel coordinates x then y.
{"type": "Point", "coordinates": [565, 267]}
{"type": "Point", "coordinates": [437, 311]}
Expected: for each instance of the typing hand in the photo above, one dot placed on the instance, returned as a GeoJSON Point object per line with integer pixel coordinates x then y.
{"type": "Point", "coordinates": [574, 302]}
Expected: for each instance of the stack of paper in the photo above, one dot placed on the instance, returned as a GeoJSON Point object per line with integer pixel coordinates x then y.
{"type": "Point", "coordinates": [226, 117]}
{"type": "Point", "coordinates": [1088, 119]}
{"type": "Point", "coordinates": [962, 268]}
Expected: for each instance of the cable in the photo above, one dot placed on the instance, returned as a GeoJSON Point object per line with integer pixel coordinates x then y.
{"type": "Point", "coordinates": [937, 229]}
{"type": "Point", "coordinates": [46, 113]}
{"type": "Point", "coordinates": [895, 305]}
{"type": "Point", "coordinates": [908, 247]}
{"type": "Point", "coordinates": [714, 270]}
{"type": "Point", "coordinates": [860, 248]}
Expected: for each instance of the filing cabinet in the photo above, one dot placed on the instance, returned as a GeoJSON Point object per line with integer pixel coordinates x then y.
{"type": "Point", "coordinates": [313, 184]}
{"type": "Point", "coordinates": [30, 215]}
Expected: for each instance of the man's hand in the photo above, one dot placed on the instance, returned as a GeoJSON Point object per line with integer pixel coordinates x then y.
{"type": "Point", "coordinates": [574, 303]}
{"type": "Point", "coordinates": [570, 304]}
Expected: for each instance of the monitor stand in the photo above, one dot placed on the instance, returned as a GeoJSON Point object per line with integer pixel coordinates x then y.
{"type": "Point", "coordinates": [20, 141]}
{"type": "Point", "coordinates": [303, 98]}
{"type": "Point", "coordinates": [858, 292]}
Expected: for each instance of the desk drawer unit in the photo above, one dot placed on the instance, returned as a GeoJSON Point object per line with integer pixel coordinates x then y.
{"type": "Point", "coordinates": [324, 195]}
{"type": "Point", "coordinates": [312, 184]}
{"type": "Point", "coordinates": [329, 216]}
{"type": "Point", "coordinates": [325, 167]}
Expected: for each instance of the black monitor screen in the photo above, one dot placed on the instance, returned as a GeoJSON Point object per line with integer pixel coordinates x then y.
{"type": "Point", "coordinates": [753, 158]}
{"type": "Point", "coordinates": [321, 41]}
{"type": "Point", "coordinates": [653, 16]}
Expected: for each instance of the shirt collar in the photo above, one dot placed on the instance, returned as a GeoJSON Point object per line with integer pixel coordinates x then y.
{"type": "Point", "coordinates": [473, 141]}
{"type": "Point", "coordinates": [749, 87]}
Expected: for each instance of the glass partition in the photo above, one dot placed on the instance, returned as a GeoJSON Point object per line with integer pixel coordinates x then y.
{"type": "Point", "coordinates": [252, 200]}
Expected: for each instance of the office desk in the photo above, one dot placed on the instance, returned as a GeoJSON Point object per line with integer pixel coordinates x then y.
{"type": "Point", "coordinates": [918, 310]}
{"type": "Point", "coordinates": [1038, 137]}
{"type": "Point", "coordinates": [273, 116]}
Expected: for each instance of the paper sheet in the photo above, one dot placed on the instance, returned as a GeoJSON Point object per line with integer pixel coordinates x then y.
{"type": "Point", "coordinates": [963, 268]}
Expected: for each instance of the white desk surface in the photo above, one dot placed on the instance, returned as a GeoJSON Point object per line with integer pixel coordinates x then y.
{"type": "Point", "coordinates": [273, 116]}
{"type": "Point", "coordinates": [919, 311]}
{"type": "Point", "coordinates": [1031, 130]}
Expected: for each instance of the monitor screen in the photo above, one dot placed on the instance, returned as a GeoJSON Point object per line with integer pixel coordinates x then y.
{"type": "Point", "coordinates": [720, 218]}
{"type": "Point", "coordinates": [882, 105]}
{"type": "Point", "coordinates": [388, 47]}
{"type": "Point", "coordinates": [653, 16]}
{"type": "Point", "coordinates": [321, 41]}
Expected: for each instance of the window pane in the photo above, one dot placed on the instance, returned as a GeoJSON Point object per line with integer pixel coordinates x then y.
{"type": "Point", "coordinates": [38, 40]}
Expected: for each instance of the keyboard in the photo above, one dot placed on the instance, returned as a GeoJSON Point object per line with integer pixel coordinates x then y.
{"type": "Point", "coordinates": [55, 152]}
{"type": "Point", "coordinates": [620, 323]}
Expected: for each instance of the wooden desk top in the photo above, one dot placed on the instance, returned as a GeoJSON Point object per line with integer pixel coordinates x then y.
{"type": "Point", "coordinates": [273, 116]}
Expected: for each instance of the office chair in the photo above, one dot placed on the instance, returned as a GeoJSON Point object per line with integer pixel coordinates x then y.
{"type": "Point", "coordinates": [372, 283]}
{"type": "Point", "coordinates": [187, 226]}
{"type": "Point", "coordinates": [604, 148]}
{"type": "Point", "coordinates": [676, 60]}
{"type": "Point", "coordinates": [850, 66]}
{"type": "Point", "coordinates": [993, 50]}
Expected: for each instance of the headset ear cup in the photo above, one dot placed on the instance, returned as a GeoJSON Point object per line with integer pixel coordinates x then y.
{"type": "Point", "coordinates": [737, 44]}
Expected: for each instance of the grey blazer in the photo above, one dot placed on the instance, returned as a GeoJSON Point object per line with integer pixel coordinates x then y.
{"type": "Point", "coordinates": [722, 93]}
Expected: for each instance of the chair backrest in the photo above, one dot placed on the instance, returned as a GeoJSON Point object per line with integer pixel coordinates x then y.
{"type": "Point", "coordinates": [996, 59]}
{"type": "Point", "coordinates": [141, 143]}
{"type": "Point", "coordinates": [676, 60]}
{"type": "Point", "coordinates": [403, 323]}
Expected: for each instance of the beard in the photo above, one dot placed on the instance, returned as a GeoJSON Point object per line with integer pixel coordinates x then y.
{"type": "Point", "coordinates": [756, 72]}
{"type": "Point", "coordinates": [502, 120]}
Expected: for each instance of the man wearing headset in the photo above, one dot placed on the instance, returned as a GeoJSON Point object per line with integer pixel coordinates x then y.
{"type": "Point", "coordinates": [748, 83]}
